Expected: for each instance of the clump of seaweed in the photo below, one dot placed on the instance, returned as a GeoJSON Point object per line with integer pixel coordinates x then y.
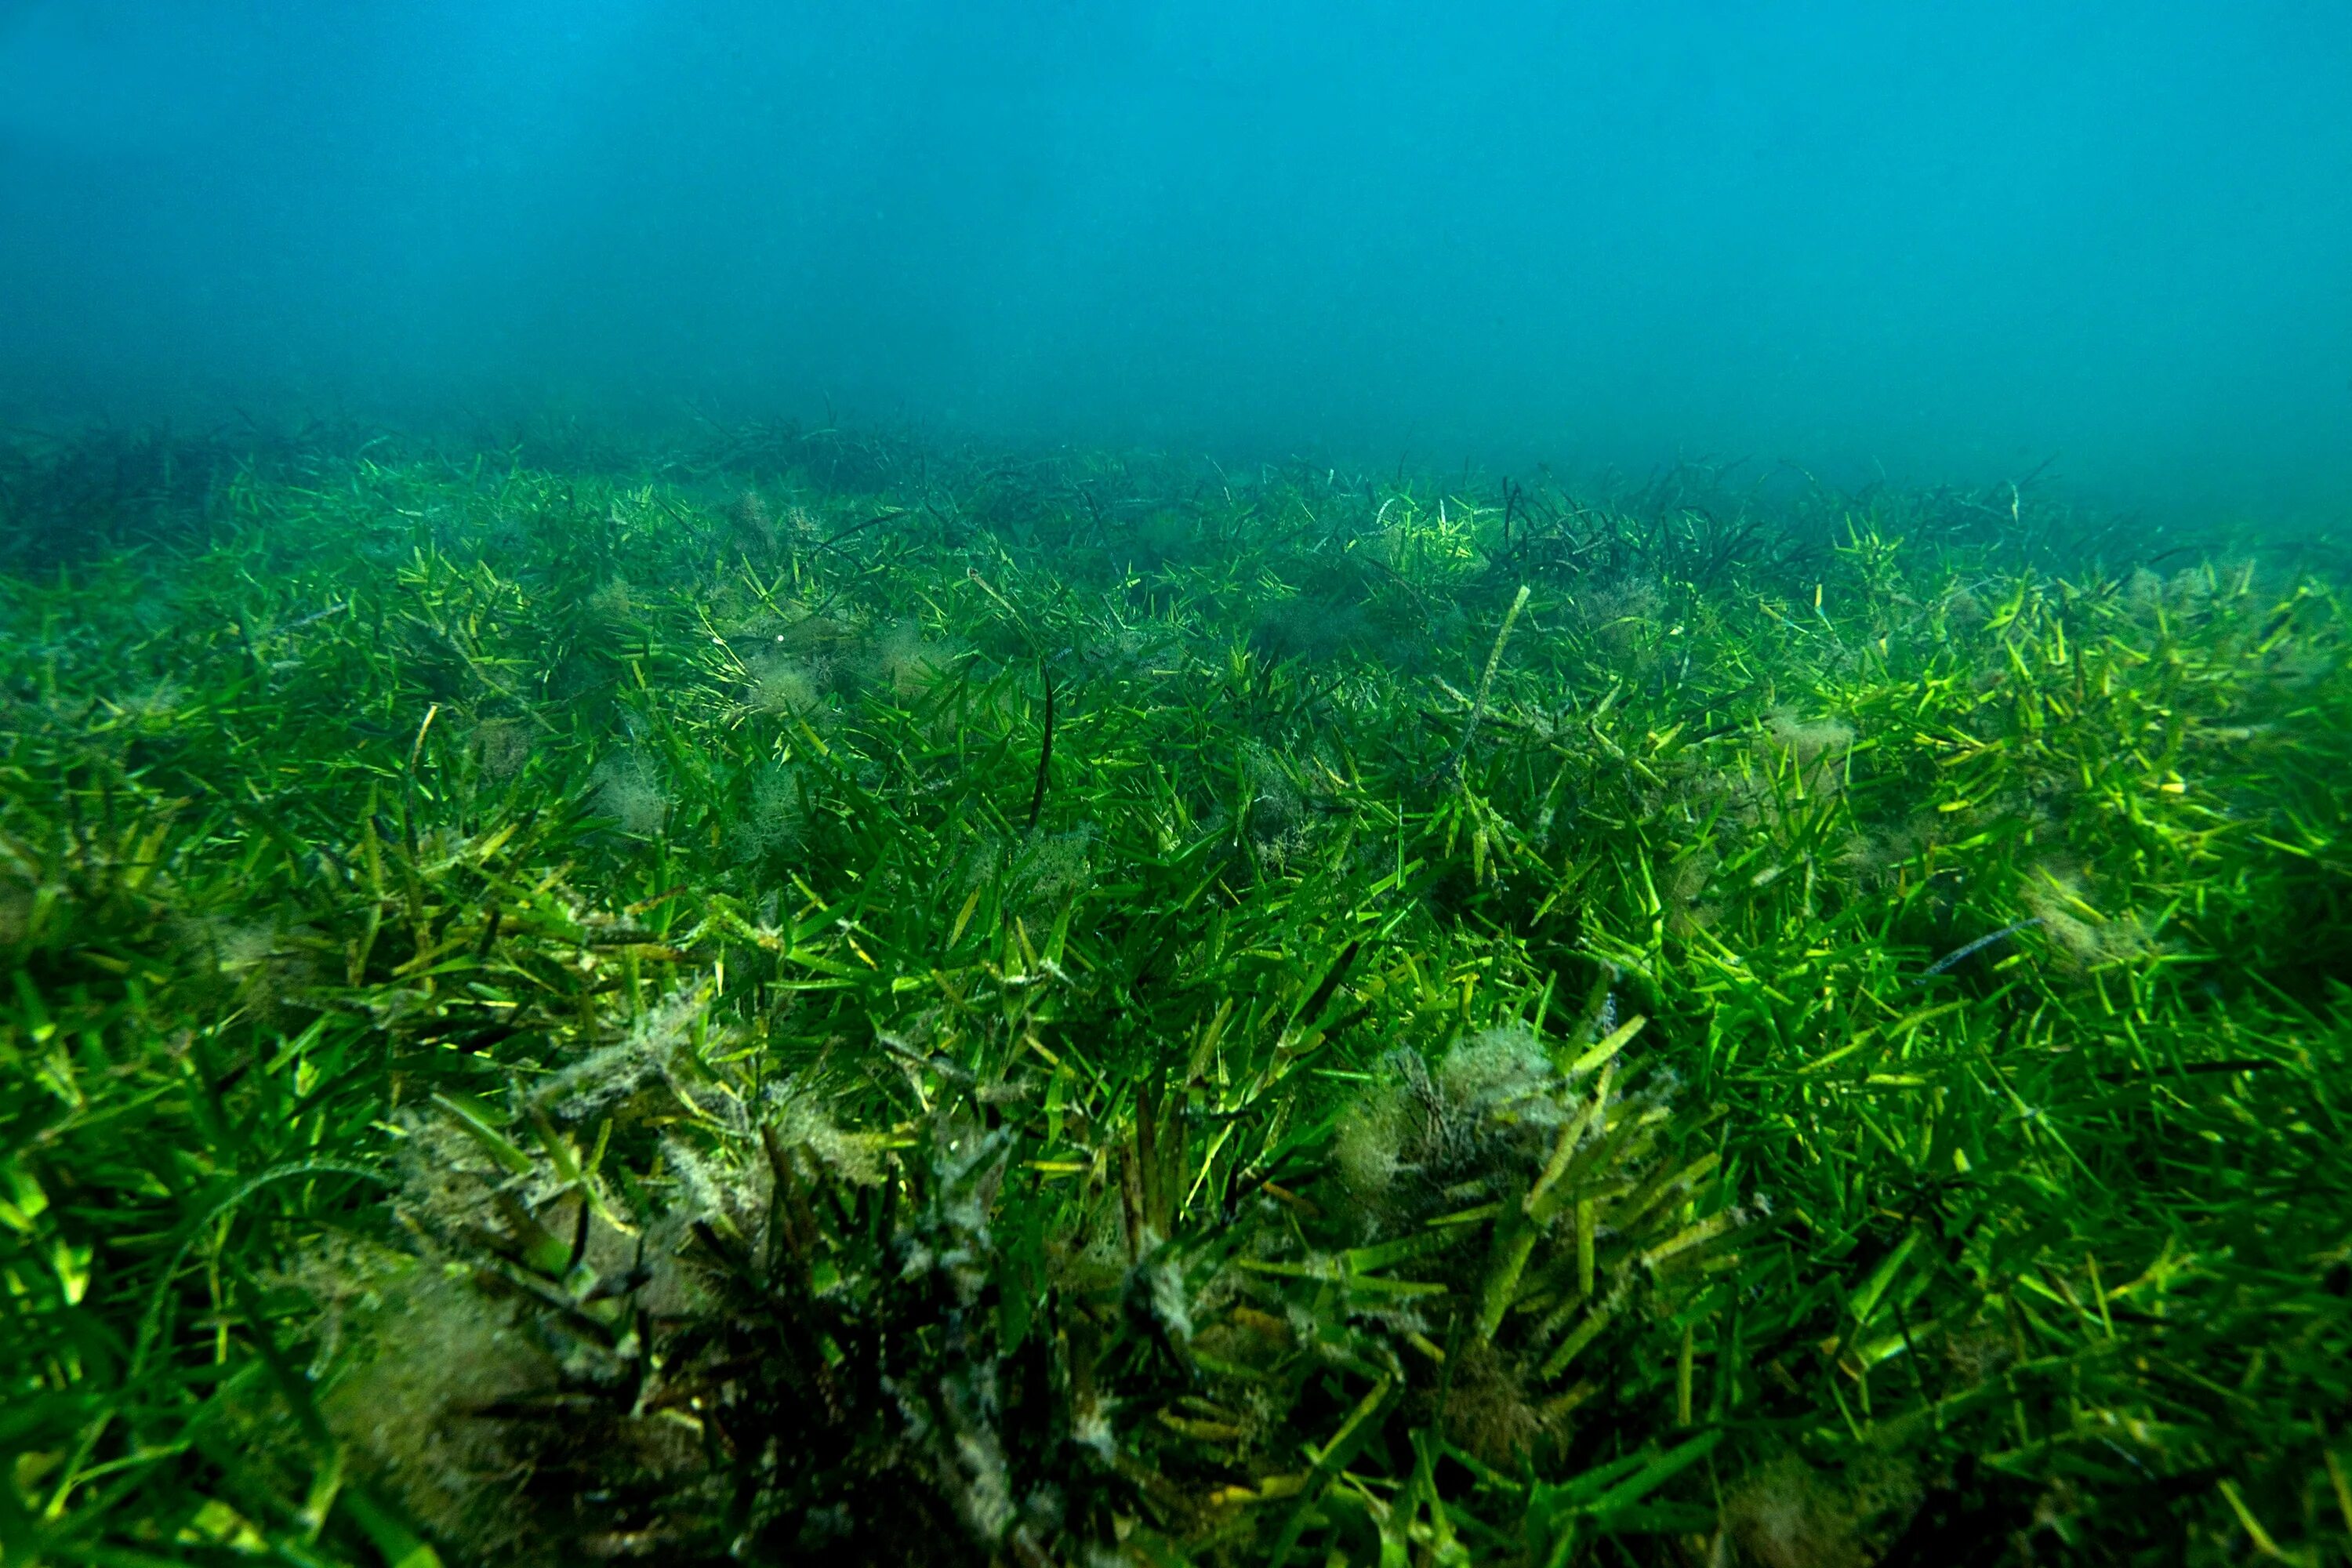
{"type": "Point", "coordinates": [779, 1342]}
{"type": "Point", "coordinates": [773, 815]}
{"type": "Point", "coordinates": [503, 745]}
{"type": "Point", "coordinates": [1789, 1514]}
{"type": "Point", "coordinates": [906, 662]}
{"type": "Point", "coordinates": [1619, 614]}
{"type": "Point", "coordinates": [2079, 935]}
{"type": "Point", "coordinates": [628, 789]}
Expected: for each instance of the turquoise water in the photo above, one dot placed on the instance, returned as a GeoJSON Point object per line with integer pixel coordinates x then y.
{"type": "Point", "coordinates": [1947, 241]}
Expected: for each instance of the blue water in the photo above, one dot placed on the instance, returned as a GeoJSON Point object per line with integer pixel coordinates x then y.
{"type": "Point", "coordinates": [1942, 241]}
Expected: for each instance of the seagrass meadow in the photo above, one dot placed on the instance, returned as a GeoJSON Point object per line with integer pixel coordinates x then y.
{"type": "Point", "coordinates": [801, 998]}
